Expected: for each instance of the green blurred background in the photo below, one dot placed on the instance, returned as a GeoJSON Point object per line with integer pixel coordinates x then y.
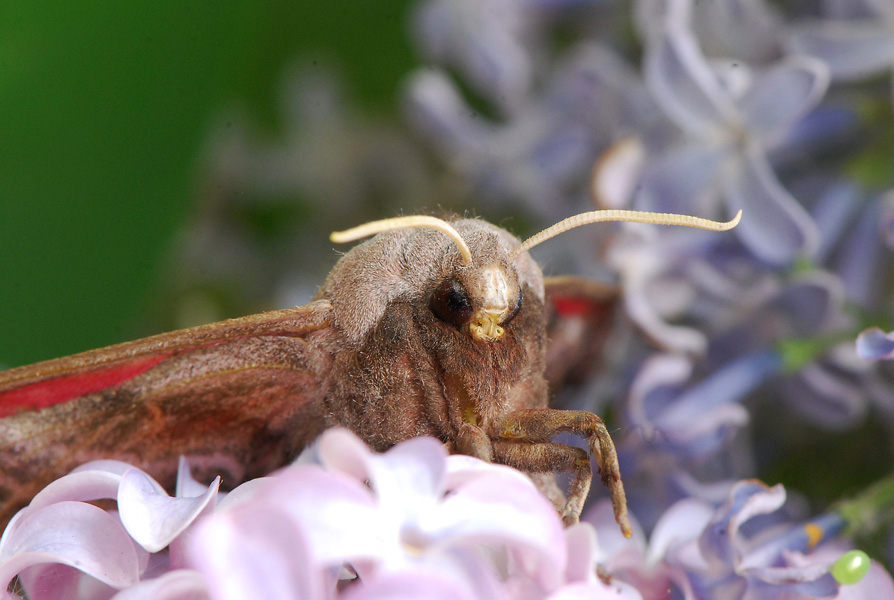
{"type": "Point", "coordinates": [105, 109]}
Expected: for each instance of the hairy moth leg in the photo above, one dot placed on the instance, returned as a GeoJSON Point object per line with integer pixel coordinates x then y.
{"type": "Point", "coordinates": [521, 441]}
{"type": "Point", "coordinates": [471, 440]}
{"type": "Point", "coordinates": [551, 457]}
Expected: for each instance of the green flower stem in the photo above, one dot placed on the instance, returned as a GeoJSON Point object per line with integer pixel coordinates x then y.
{"type": "Point", "coordinates": [869, 511]}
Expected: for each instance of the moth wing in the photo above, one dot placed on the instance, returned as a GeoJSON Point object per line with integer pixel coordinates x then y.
{"type": "Point", "coordinates": [239, 398]}
{"type": "Point", "coordinates": [580, 314]}
{"type": "Point", "coordinates": [59, 380]}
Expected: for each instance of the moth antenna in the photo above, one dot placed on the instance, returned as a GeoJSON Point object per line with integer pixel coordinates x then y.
{"type": "Point", "coordinates": [374, 227]}
{"type": "Point", "coordinates": [632, 216]}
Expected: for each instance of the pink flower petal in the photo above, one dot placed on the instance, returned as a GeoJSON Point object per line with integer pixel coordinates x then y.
{"type": "Point", "coordinates": [416, 466]}
{"type": "Point", "coordinates": [187, 487]}
{"type": "Point", "coordinates": [75, 534]}
{"type": "Point", "coordinates": [490, 510]}
{"type": "Point", "coordinates": [462, 469]}
{"type": "Point", "coordinates": [410, 586]}
{"type": "Point", "coordinates": [876, 584]}
{"type": "Point", "coordinates": [182, 584]}
{"type": "Point", "coordinates": [340, 450]}
{"type": "Point", "coordinates": [79, 486]}
{"type": "Point", "coordinates": [337, 513]}
{"type": "Point", "coordinates": [255, 551]}
{"type": "Point", "coordinates": [152, 517]}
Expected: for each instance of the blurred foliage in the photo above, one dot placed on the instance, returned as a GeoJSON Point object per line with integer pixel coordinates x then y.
{"type": "Point", "coordinates": [106, 111]}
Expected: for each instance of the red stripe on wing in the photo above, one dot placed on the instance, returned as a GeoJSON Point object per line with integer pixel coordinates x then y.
{"type": "Point", "coordinates": [59, 389]}
{"type": "Point", "coordinates": [575, 307]}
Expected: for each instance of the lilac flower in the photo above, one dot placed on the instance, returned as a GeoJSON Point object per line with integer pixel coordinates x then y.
{"type": "Point", "coordinates": [731, 116]}
{"type": "Point", "coordinates": [643, 563]}
{"type": "Point", "coordinates": [100, 550]}
{"type": "Point", "coordinates": [875, 344]}
{"type": "Point", "coordinates": [181, 584]}
{"type": "Point", "coordinates": [887, 218]}
{"type": "Point", "coordinates": [695, 421]}
{"type": "Point", "coordinates": [858, 41]}
{"type": "Point", "coordinates": [701, 298]}
{"type": "Point", "coordinates": [749, 30]}
{"type": "Point", "coordinates": [584, 577]}
{"type": "Point", "coordinates": [486, 40]}
{"type": "Point", "coordinates": [542, 153]}
{"type": "Point", "coordinates": [704, 552]}
{"type": "Point", "coordinates": [420, 511]}
{"type": "Point", "coordinates": [754, 566]}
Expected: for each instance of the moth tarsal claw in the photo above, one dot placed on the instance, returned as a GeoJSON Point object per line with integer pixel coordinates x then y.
{"type": "Point", "coordinates": [570, 518]}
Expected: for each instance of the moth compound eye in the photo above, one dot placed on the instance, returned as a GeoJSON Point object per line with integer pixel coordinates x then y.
{"type": "Point", "coordinates": [451, 303]}
{"type": "Point", "coordinates": [518, 305]}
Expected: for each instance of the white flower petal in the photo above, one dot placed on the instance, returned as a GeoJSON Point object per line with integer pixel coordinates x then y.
{"type": "Point", "coordinates": [617, 173]}
{"type": "Point", "coordinates": [117, 467]}
{"type": "Point", "coordinates": [462, 469]}
{"type": "Point", "coordinates": [242, 493]}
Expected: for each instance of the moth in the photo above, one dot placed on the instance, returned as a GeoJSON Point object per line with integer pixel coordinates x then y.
{"type": "Point", "coordinates": [429, 328]}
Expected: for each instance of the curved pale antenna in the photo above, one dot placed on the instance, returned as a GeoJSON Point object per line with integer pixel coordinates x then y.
{"type": "Point", "coordinates": [632, 216]}
{"type": "Point", "coordinates": [374, 227]}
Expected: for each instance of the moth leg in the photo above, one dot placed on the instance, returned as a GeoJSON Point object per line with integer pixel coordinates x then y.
{"type": "Point", "coordinates": [472, 441]}
{"type": "Point", "coordinates": [539, 425]}
{"type": "Point", "coordinates": [551, 457]}
{"type": "Point", "coordinates": [546, 483]}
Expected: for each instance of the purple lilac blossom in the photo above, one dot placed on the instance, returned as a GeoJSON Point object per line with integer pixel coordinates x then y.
{"type": "Point", "coordinates": [856, 41]}
{"type": "Point", "coordinates": [701, 107]}
{"type": "Point", "coordinates": [745, 113]}
{"type": "Point", "coordinates": [875, 344]}
{"type": "Point", "coordinates": [700, 551]}
{"type": "Point", "coordinates": [731, 116]}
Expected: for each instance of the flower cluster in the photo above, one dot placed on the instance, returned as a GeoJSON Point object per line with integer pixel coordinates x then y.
{"type": "Point", "coordinates": [764, 353]}
{"type": "Point", "coordinates": [410, 523]}
{"type": "Point", "coordinates": [707, 108]}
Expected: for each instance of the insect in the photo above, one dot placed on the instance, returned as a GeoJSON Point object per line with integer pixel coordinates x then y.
{"type": "Point", "coordinates": [429, 328]}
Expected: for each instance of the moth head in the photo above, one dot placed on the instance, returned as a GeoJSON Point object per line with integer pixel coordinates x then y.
{"type": "Point", "coordinates": [484, 292]}
{"type": "Point", "coordinates": [471, 274]}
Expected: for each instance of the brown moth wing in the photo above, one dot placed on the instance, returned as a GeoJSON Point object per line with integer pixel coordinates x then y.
{"type": "Point", "coordinates": [290, 322]}
{"type": "Point", "coordinates": [237, 397]}
{"type": "Point", "coordinates": [580, 313]}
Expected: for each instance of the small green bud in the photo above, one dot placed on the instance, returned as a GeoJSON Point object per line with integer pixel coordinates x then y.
{"type": "Point", "coordinates": [851, 568]}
